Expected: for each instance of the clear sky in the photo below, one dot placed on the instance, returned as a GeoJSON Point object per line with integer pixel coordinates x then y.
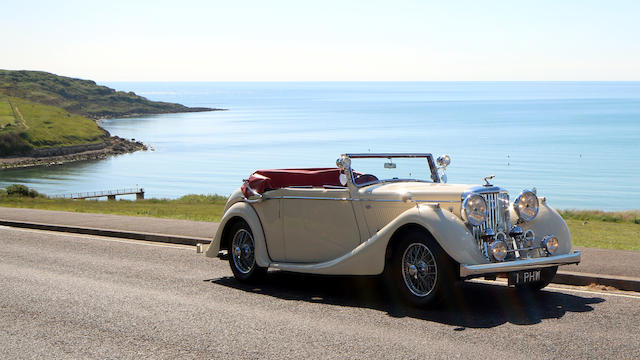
{"type": "Point", "coordinates": [272, 40]}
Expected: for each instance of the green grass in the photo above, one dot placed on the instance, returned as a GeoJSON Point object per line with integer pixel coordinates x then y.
{"type": "Point", "coordinates": [605, 235]}
{"type": "Point", "coordinates": [629, 216]}
{"type": "Point", "coordinates": [49, 126]}
{"type": "Point", "coordinates": [6, 114]}
{"type": "Point", "coordinates": [189, 207]}
{"type": "Point", "coordinates": [46, 126]}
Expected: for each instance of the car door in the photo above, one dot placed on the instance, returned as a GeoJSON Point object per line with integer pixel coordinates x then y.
{"type": "Point", "coordinates": [318, 224]}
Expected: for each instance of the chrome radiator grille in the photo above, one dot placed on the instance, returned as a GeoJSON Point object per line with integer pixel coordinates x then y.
{"type": "Point", "coordinates": [498, 218]}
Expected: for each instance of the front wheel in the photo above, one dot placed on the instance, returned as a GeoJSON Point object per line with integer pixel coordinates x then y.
{"type": "Point", "coordinates": [420, 272]}
{"type": "Point", "coordinates": [242, 257]}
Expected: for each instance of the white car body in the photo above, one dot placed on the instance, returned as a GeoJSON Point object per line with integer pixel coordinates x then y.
{"type": "Point", "coordinates": [348, 230]}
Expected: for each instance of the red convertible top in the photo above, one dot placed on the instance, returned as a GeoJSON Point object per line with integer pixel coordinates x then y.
{"type": "Point", "coordinates": [263, 180]}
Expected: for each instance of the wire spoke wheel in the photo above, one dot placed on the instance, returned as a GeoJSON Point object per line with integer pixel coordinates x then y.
{"type": "Point", "coordinates": [242, 249]}
{"type": "Point", "coordinates": [419, 269]}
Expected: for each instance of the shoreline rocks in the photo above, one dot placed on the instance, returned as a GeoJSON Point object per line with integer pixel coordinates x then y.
{"type": "Point", "coordinates": [59, 155]}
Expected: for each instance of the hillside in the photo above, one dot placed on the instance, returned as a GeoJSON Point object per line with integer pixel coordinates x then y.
{"type": "Point", "coordinates": [26, 126]}
{"type": "Point", "coordinates": [82, 97]}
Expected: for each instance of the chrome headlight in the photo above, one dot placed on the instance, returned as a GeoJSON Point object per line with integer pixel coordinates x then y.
{"type": "Point", "coordinates": [526, 205]}
{"type": "Point", "coordinates": [475, 209]}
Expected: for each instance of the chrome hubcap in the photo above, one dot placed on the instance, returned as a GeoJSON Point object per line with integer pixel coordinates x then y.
{"type": "Point", "coordinates": [413, 270]}
{"type": "Point", "coordinates": [419, 269]}
{"type": "Point", "coordinates": [243, 249]}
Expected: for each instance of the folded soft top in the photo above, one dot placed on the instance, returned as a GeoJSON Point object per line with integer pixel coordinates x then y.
{"type": "Point", "coordinates": [263, 180]}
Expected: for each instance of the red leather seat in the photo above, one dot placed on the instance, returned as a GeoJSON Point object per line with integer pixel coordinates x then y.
{"type": "Point", "coordinates": [263, 180]}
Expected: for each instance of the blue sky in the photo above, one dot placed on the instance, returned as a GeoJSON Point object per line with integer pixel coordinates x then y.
{"type": "Point", "coordinates": [324, 40]}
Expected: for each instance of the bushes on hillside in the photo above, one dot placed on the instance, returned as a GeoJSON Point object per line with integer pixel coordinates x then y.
{"type": "Point", "coordinates": [14, 143]}
{"type": "Point", "coordinates": [21, 191]}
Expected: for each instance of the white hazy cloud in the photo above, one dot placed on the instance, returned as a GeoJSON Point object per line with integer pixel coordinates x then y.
{"type": "Point", "coordinates": [324, 40]}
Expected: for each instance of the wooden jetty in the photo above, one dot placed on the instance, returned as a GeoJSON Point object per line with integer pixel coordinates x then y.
{"type": "Point", "coordinates": [109, 194]}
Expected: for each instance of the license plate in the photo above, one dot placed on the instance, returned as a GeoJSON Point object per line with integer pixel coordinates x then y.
{"type": "Point", "coordinates": [524, 277]}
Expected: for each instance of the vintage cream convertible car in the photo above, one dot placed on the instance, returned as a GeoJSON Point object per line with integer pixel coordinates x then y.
{"type": "Point", "coordinates": [391, 214]}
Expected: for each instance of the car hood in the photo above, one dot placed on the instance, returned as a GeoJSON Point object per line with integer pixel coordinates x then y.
{"type": "Point", "coordinates": [449, 196]}
{"type": "Point", "coordinates": [418, 190]}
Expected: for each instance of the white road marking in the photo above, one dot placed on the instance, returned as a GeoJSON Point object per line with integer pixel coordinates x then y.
{"type": "Point", "coordinates": [103, 238]}
{"type": "Point", "coordinates": [594, 292]}
{"type": "Point", "coordinates": [504, 283]}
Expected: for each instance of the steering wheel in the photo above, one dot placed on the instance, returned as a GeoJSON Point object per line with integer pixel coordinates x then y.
{"type": "Point", "coordinates": [365, 178]}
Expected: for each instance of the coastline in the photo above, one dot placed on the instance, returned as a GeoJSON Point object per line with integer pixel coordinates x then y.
{"type": "Point", "coordinates": [115, 145]}
{"type": "Point", "coordinates": [130, 115]}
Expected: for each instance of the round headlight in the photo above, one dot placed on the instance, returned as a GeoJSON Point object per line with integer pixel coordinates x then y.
{"type": "Point", "coordinates": [498, 250]}
{"type": "Point", "coordinates": [529, 237]}
{"type": "Point", "coordinates": [474, 209]}
{"type": "Point", "coordinates": [526, 205]}
{"type": "Point", "coordinates": [550, 244]}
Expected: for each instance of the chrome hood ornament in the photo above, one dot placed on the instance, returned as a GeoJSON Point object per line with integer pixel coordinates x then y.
{"type": "Point", "coordinates": [486, 180]}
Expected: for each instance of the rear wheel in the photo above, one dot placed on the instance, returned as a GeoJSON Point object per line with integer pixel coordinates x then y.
{"type": "Point", "coordinates": [420, 272]}
{"type": "Point", "coordinates": [546, 275]}
{"type": "Point", "coordinates": [242, 257]}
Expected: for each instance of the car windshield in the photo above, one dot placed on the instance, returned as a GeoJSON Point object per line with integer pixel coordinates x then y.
{"type": "Point", "coordinates": [388, 169]}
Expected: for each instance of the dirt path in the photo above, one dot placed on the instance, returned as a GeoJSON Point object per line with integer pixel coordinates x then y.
{"type": "Point", "coordinates": [16, 113]}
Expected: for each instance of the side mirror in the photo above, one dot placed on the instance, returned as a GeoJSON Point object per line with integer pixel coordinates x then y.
{"type": "Point", "coordinates": [443, 161]}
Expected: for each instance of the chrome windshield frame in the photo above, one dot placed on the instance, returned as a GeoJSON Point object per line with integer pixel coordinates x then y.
{"type": "Point", "coordinates": [432, 165]}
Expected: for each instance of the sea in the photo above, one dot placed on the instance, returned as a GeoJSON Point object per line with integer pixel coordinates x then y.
{"type": "Point", "coordinates": [577, 143]}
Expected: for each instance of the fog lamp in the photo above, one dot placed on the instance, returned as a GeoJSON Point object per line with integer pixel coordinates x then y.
{"type": "Point", "coordinates": [498, 250]}
{"type": "Point", "coordinates": [550, 244]}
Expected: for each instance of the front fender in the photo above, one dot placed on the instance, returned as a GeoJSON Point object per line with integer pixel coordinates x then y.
{"type": "Point", "coordinates": [548, 222]}
{"type": "Point", "coordinates": [247, 213]}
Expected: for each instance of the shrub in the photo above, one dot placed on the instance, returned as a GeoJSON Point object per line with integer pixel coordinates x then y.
{"type": "Point", "coordinates": [21, 191]}
{"type": "Point", "coordinates": [14, 144]}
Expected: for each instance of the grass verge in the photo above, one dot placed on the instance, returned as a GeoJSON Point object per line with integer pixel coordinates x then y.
{"type": "Point", "coordinates": [605, 235]}
{"type": "Point", "coordinates": [189, 207]}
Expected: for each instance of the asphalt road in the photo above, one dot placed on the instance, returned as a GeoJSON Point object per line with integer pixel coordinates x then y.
{"type": "Point", "coordinates": [75, 296]}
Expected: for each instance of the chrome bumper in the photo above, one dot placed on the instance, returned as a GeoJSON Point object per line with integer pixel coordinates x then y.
{"type": "Point", "coordinates": [516, 265]}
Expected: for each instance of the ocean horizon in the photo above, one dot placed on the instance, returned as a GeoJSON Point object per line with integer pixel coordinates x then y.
{"type": "Point", "coordinates": [577, 143]}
